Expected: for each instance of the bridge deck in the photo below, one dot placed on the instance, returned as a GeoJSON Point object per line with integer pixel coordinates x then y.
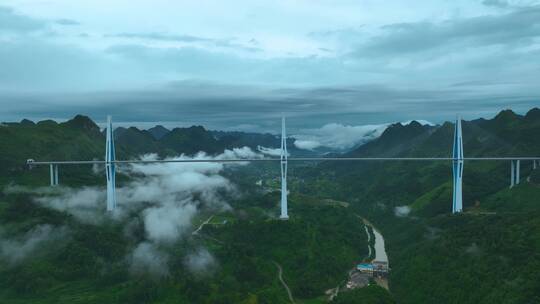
{"type": "Point", "coordinates": [136, 161]}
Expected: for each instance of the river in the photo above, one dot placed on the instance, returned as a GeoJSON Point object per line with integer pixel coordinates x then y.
{"type": "Point", "coordinates": [380, 250]}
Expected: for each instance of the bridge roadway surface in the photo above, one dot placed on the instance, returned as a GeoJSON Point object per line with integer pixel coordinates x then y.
{"type": "Point", "coordinates": [300, 159]}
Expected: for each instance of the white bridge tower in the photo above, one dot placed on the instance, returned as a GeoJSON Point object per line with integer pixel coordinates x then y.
{"type": "Point", "coordinates": [515, 167]}
{"type": "Point", "coordinates": [110, 167]}
{"type": "Point", "coordinates": [284, 214]}
{"type": "Point", "coordinates": [457, 166]}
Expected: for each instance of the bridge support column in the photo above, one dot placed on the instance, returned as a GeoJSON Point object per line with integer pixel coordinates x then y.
{"type": "Point", "coordinates": [515, 172]}
{"type": "Point", "coordinates": [534, 164]}
{"type": "Point", "coordinates": [54, 174]}
{"type": "Point", "coordinates": [512, 173]}
{"type": "Point", "coordinates": [518, 168]}
{"type": "Point", "coordinates": [110, 167]}
{"type": "Point", "coordinates": [284, 212]}
{"type": "Point", "coordinates": [457, 169]}
{"type": "Point", "coordinates": [51, 170]}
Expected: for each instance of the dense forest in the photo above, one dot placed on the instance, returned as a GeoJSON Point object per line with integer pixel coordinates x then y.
{"type": "Point", "coordinates": [488, 254]}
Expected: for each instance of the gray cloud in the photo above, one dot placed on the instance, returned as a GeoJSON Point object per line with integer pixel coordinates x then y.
{"type": "Point", "coordinates": [161, 198]}
{"type": "Point", "coordinates": [419, 64]}
{"type": "Point", "coordinates": [307, 144]}
{"type": "Point", "coordinates": [163, 194]}
{"type": "Point", "coordinates": [496, 3]}
{"type": "Point", "coordinates": [222, 106]}
{"type": "Point", "coordinates": [337, 136]}
{"type": "Point", "coordinates": [270, 151]}
{"type": "Point", "coordinates": [509, 4]}
{"type": "Point", "coordinates": [12, 21]}
{"type": "Point", "coordinates": [222, 43]}
{"type": "Point", "coordinates": [201, 262]}
{"type": "Point", "coordinates": [167, 222]}
{"type": "Point", "coordinates": [67, 22]}
{"type": "Point", "coordinates": [515, 27]}
{"type": "Point", "coordinates": [402, 211]}
{"type": "Point", "coordinates": [17, 249]}
{"type": "Point", "coordinates": [147, 258]}
{"type": "Point", "coordinates": [37, 65]}
{"type": "Point", "coordinates": [162, 37]}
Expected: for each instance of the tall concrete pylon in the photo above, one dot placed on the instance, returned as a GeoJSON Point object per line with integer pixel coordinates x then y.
{"type": "Point", "coordinates": [518, 169]}
{"type": "Point", "coordinates": [457, 168]}
{"type": "Point", "coordinates": [284, 213]}
{"type": "Point", "coordinates": [110, 167]}
{"type": "Point", "coordinates": [54, 174]}
{"type": "Point", "coordinates": [512, 173]}
{"type": "Point", "coordinates": [515, 167]}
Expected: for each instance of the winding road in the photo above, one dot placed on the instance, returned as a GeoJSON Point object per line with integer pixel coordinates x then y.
{"type": "Point", "coordinates": [202, 225]}
{"type": "Point", "coordinates": [280, 276]}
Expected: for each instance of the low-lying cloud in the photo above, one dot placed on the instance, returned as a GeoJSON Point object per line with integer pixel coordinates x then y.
{"type": "Point", "coordinates": [17, 249]}
{"type": "Point", "coordinates": [270, 151]}
{"type": "Point", "coordinates": [146, 258]}
{"type": "Point", "coordinates": [152, 188]}
{"type": "Point", "coordinates": [337, 136]}
{"type": "Point", "coordinates": [167, 222]}
{"type": "Point", "coordinates": [402, 211]}
{"type": "Point", "coordinates": [306, 144]}
{"type": "Point", "coordinates": [200, 262]}
{"type": "Point", "coordinates": [162, 197]}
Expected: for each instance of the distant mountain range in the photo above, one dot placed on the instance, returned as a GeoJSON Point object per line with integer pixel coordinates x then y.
{"type": "Point", "coordinates": [506, 134]}
{"type": "Point", "coordinates": [81, 138]}
{"type": "Point", "coordinates": [435, 256]}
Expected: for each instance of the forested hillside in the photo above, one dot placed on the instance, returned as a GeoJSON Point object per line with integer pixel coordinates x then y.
{"type": "Point", "coordinates": [488, 254]}
{"type": "Point", "coordinates": [58, 245]}
{"type": "Point", "coordinates": [81, 139]}
{"type": "Point", "coordinates": [210, 235]}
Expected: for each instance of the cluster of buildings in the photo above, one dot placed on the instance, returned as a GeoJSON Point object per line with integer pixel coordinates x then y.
{"type": "Point", "coordinates": [361, 276]}
{"type": "Point", "coordinates": [376, 269]}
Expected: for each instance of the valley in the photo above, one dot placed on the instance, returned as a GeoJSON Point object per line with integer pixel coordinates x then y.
{"type": "Point", "coordinates": [269, 152]}
{"type": "Point", "coordinates": [223, 243]}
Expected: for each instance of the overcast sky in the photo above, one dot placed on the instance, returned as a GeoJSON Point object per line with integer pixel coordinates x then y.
{"type": "Point", "coordinates": [241, 64]}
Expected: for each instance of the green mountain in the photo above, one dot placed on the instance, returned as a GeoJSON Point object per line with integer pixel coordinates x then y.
{"type": "Point", "coordinates": [192, 140]}
{"type": "Point", "coordinates": [89, 263]}
{"type": "Point", "coordinates": [487, 254]}
{"type": "Point", "coordinates": [78, 138]}
{"type": "Point", "coordinates": [158, 131]}
{"type": "Point", "coordinates": [136, 141]}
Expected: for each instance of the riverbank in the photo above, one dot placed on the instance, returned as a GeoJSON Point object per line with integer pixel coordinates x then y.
{"type": "Point", "coordinates": [380, 251]}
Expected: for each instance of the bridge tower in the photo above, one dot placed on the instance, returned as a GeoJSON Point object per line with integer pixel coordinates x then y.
{"type": "Point", "coordinates": [54, 174]}
{"type": "Point", "coordinates": [284, 214]}
{"type": "Point", "coordinates": [515, 166]}
{"type": "Point", "coordinates": [110, 167]}
{"type": "Point", "coordinates": [457, 166]}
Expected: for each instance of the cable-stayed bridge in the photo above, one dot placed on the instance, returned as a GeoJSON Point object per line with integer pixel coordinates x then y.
{"type": "Point", "coordinates": [457, 160]}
